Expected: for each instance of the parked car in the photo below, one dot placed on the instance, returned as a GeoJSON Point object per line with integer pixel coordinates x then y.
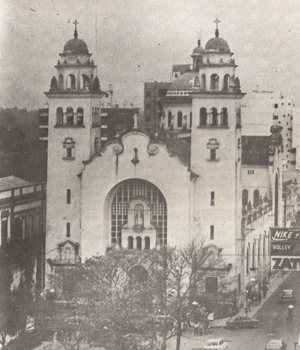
{"type": "Point", "coordinates": [215, 344]}
{"type": "Point", "coordinates": [241, 322]}
{"type": "Point", "coordinates": [287, 296]}
{"type": "Point", "coordinates": [276, 344]}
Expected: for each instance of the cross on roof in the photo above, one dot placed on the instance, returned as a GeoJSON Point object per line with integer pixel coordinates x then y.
{"type": "Point", "coordinates": [217, 27]}
{"type": "Point", "coordinates": [75, 31]}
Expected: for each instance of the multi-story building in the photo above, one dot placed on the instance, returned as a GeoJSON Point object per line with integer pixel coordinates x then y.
{"type": "Point", "coordinates": [153, 94]}
{"type": "Point", "coordinates": [265, 108]}
{"type": "Point", "coordinates": [22, 229]}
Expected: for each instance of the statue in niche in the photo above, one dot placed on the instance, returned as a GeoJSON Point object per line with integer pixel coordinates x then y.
{"type": "Point", "coordinates": [139, 216]}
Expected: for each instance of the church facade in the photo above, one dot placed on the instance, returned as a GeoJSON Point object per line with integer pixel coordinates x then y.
{"type": "Point", "coordinates": [141, 193]}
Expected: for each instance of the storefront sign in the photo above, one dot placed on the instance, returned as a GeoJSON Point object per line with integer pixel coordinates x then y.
{"type": "Point", "coordinates": [285, 263]}
{"type": "Point", "coordinates": [285, 242]}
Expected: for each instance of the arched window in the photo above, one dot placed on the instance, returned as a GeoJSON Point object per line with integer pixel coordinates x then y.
{"type": "Point", "coordinates": [247, 259]}
{"type": "Point", "coordinates": [224, 115]}
{"type": "Point", "coordinates": [244, 197]}
{"type": "Point", "coordinates": [191, 119]}
{"type": "Point", "coordinates": [226, 82]}
{"type": "Point", "coordinates": [214, 116]}
{"type": "Point", "coordinates": [196, 82]}
{"type": "Point", "coordinates": [70, 116]}
{"type": "Point", "coordinates": [255, 198]}
{"type": "Point", "coordinates": [214, 82]}
{"type": "Point", "coordinates": [79, 116]}
{"type": "Point", "coordinates": [203, 116]}
{"type": "Point", "coordinates": [61, 82]}
{"type": "Point", "coordinates": [71, 81]}
{"type": "Point", "coordinates": [203, 81]}
{"type": "Point", "coordinates": [169, 119]}
{"type": "Point", "coordinates": [139, 243]}
{"type": "Point", "coordinates": [179, 120]}
{"type": "Point", "coordinates": [59, 116]}
{"type": "Point", "coordinates": [130, 243]}
{"type": "Point", "coordinates": [147, 243]}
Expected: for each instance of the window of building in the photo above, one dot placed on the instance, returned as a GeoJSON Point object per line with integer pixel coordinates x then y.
{"type": "Point", "coordinates": [179, 120]}
{"type": "Point", "coordinates": [255, 198]}
{"type": "Point", "coordinates": [68, 196]}
{"type": "Point", "coordinates": [191, 119]}
{"type": "Point", "coordinates": [80, 116]}
{"type": "Point", "coordinates": [69, 145]}
{"type": "Point", "coordinates": [212, 154]}
{"type": "Point", "coordinates": [247, 260]}
{"type": "Point", "coordinates": [214, 116]}
{"type": "Point", "coordinates": [4, 230]}
{"type": "Point", "coordinates": [59, 116]}
{"type": "Point", "coordinates": [214, 82]}
{"type": "Point", "coordinates": [68, 229]}
{"type": "Point", "coordinates": [224, 117]}
{"type": "Point", "coordinates": [212, 198]}
{"type": "Point", "coordinates": [212, 146]}
{"type": "Point", "coordinates": [203, 116]}
{"type": "Point", "coordinates": [239, 143]}
{"type": "Point", "coordinates": [250, 172]}
{"type": "Point", "coordinates": [245, 197]}
{"type": "Point", "coordinates": [130, 243]}
{"type": "Point", "coordinates": [139, 243]}
{"type": "Point", "coordinates": [176, 75]}
{"type": "Point", "coordinates": [284, 116]}
{"type": "Point", "coordinates": [212, 232]}
{"type": "Point", "coordinates": [169, 119]}
{"type": "Point", "coordinates": [70, 116]}
{"type": "Point", "coordinates": [147, 243]}
{"type": "Point", "coordinates": [276, 105]}
{"type": "Point", "coordinates": [275, 117]}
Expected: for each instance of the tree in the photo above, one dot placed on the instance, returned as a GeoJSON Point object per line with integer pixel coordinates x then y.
{"type": "Point", "coordinates": [128, 300]}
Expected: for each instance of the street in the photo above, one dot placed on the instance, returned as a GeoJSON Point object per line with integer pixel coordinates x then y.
{"type": "Point", "coordinates": [272, 317]}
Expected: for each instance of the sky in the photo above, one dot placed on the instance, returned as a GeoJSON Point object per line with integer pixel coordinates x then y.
{"type": "Point", "coordinates": [136, 41]}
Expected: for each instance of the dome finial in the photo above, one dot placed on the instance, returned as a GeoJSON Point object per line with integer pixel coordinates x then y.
{"type": "Point", "coordinates": [75, 31]}
{"type": "Point", "coordinates": [217, 27]}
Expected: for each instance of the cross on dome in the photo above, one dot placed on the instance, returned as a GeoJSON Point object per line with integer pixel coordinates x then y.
{"type": "Point", "coordinates": [75, 31]}
{"type": "Point", "coordinates": [217, 26]}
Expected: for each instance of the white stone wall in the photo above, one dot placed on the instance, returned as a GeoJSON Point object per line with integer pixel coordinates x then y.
{"type": "Point", "coordinates": [99, 180]}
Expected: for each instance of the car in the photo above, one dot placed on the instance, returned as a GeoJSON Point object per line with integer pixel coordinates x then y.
{"type": "Point", "coordinates": [241, 322]}
{"type": "Point", "coordinates": [215, 344]}
{"type": "Point", "coordinates": [287, 296]}
{"type": "Point", "coordinates": [276, 344]}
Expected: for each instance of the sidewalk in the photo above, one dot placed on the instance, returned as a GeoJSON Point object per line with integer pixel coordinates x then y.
{"type": "Point", "coordinates": [275, 282]}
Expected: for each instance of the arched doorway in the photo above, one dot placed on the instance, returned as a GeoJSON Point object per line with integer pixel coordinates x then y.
{"type": "Point", "coordinates": [127, 191]}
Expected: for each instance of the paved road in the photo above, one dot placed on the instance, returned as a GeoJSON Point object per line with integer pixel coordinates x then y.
{"type": "Point", "coordinates": [273, 324]}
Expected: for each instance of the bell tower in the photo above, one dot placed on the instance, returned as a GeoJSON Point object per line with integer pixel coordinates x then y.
{"type": "Point", "coordinates": [215, 151]}
{"type": "Point", "coordinates": [74, 136]}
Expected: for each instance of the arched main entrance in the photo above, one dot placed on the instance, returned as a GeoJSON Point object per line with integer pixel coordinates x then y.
{"type": "Point", "coordinates": [131, 191]}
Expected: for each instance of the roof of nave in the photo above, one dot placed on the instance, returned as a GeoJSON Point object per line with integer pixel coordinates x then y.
{"type": "Point", "coordinates": [9, 182]}
{"type": "Point", "coordinates": [179, 147]}
{"type": "Point", "coordinates": [255, 150]}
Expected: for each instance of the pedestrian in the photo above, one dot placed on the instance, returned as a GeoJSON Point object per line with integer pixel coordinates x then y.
{"type": "Point", "coordinates": [196, 329]}
{"type": "Point", "coordinates": [249, 302]}
{"type": "Point", "coordinates": [265, 290]}
{"type": "Point", "coordinates": [259, 298]}
{"type": "Point", "coordinates": [290, 313]}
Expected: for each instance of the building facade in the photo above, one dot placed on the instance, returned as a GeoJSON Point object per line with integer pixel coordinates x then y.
{"type": "Point", "coordinates": [136, 193]}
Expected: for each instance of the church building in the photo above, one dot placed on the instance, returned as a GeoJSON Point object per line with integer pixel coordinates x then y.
{"type": "Point", "coordinates": [139, 193]}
